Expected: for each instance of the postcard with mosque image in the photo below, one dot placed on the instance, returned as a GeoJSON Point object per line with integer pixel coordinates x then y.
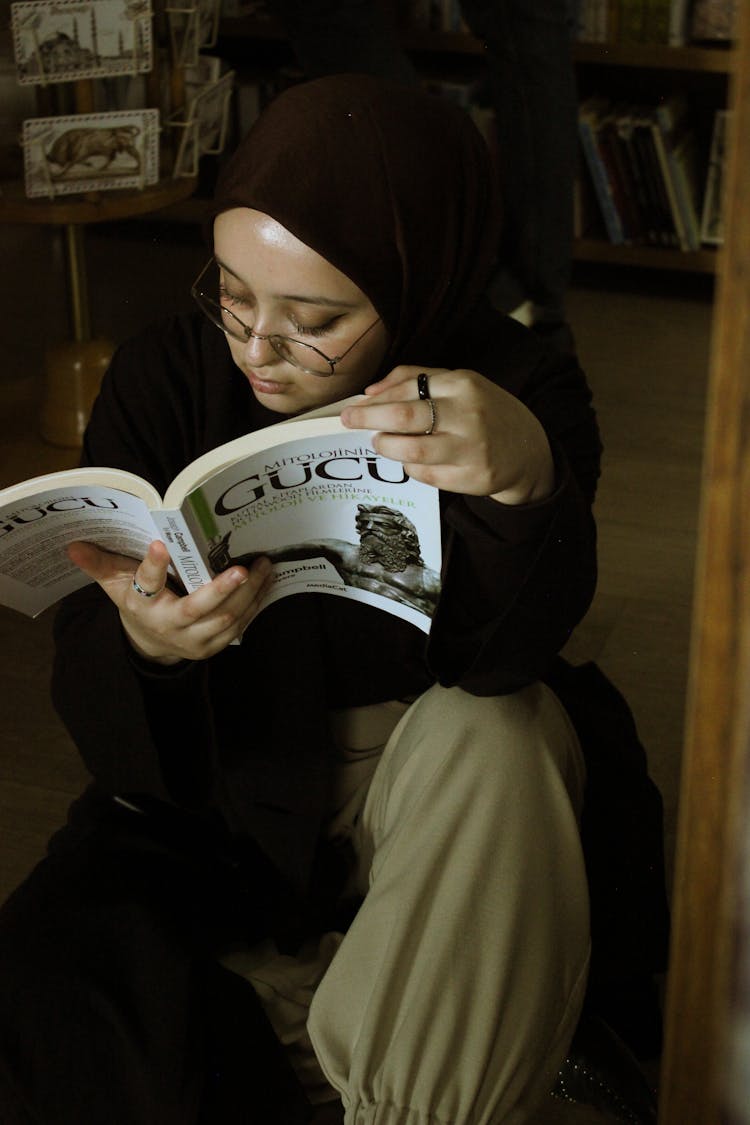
{"type": "Point", "coordinates": [90, 152]}
{"type": "Point", "coordinates": [64, 40]}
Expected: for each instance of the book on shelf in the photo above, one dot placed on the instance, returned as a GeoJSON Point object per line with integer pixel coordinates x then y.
{"type": "Point", "coordinates": [625, 123]}
{"type": "Point", "coordinates": [658, 197]}
{"type": "Point", "coordinates": [643, 166]}
{"type": "Point", "coordinates": [333, 516]}
{"type": "Point", "coordinates": [667, 22]}
{"type": "Point", "coordinates": [590, 115]}
{"type": "Point", "coordinates": [677, 144]}
{"type": "Point", "coordinates": [679, 13]}
{"type": "Point", "coordinates": [712, 212]}
{"type": "Point", "coordinates": [714, 21]}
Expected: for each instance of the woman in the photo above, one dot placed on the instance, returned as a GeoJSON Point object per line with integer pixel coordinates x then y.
{"type": "Point", "coordinates": [331, 813]}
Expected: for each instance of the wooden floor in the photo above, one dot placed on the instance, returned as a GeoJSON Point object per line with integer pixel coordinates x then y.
{"type": "Point", "coordinates": [644, 346]}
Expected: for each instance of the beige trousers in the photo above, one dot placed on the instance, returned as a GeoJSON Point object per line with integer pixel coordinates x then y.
{"type": "Point", "coordinates": [453, 997]}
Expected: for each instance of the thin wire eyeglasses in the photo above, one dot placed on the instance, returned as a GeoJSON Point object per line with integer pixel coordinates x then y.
{"type": "Point", "coordinates": [296, 352]}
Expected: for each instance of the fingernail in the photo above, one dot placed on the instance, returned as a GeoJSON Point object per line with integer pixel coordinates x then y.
{"type": "Point", "coordinates": [237, 577]}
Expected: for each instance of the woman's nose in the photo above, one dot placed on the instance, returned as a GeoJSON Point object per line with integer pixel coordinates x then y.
{"type": "Point", "coordinates": [259, 351]}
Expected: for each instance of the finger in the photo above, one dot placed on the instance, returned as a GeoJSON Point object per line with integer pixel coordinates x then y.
{"type": "Point", "coordinates": [98, 564]}
{"type": "Point", "coordinates": [407, 416]}
{"type": "Point", "coordinates": [228, 593]}
{"type": "Point", "coordinates": [151, 572]}
{"type": "Point", "coordinates": [404, 380]}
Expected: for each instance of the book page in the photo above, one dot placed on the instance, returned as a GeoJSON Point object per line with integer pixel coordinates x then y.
{"type": "Point", "coordinates": [34, 532]}
{"type": "Point", "coordinates": [333, 516]}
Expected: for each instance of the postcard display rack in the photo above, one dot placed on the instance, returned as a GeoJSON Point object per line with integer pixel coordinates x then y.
{"type": "Point", "coordinates": [91, 157]}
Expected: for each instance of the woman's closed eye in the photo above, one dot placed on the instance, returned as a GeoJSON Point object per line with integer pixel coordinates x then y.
{"type": "Point", "coordinates": [232, 300]}
{"type": "Point", "coordinates": [314, 330]}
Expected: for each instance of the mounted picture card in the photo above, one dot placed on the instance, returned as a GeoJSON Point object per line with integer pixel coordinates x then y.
{"type": "Point", "coordinates": [64, 40]}
{"type": "Point", "coordinates": [205, 125]}
{"type": "Point", "coordinates": [90, 152]}
{"type": "Point", "coordinates": [193, 25]}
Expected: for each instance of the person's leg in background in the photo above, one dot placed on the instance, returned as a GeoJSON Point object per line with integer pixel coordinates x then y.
{"type": "Point", "coordinates": [113, 1007]}
{"type": "Point", "coordinates": [534, 96]}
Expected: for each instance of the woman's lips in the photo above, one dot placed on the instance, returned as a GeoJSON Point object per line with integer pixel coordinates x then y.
{"type": "Point", "coordinates": [265, 386]}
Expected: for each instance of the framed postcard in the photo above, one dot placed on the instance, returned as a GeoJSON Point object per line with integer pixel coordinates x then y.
{"type": "Point", "coordinates": [90, 152]}
{"type": "Point", "coordinates": [64, 40]}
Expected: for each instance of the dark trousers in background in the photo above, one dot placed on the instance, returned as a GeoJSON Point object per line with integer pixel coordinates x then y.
{"type": "Point", "coordinates": [113, 1008]}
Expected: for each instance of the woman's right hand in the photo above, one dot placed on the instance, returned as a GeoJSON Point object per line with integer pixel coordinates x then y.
{"type": "Point", "coordinates": [167, 627]}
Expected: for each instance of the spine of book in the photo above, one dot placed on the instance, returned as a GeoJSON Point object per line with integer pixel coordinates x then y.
{"type": "Point", "coordinates": [667, 178]}
{"type": "Point", "coordinates": [663, 223]}
{"type": "Point", "coordinates": [588, 120]}
{"type": "Point", "coordinates": [712, 219]}
{"type": "Point", "coordinates": [626, 130]}
{"type": "Point", "coordinates": [657, 21]}
{"type": "Point", "coordinates": [183, 549]}
{"type": "Point", "coordinates": [678, 22]}
{"type": "Point", "coordinates": [616, 173]}
{"type": "Point", "coordinates": [679, 145]}
{"type": "Point", "coordinates": [632, 21]}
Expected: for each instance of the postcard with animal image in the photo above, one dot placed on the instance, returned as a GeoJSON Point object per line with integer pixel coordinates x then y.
{"type": "Point", "coordinates": [90, 152]}
{"type": "Point", "coordinates": [63, 40]}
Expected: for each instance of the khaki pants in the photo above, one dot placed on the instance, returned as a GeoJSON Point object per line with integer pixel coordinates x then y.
{"type": "Point", "coordinates": [454, 995]}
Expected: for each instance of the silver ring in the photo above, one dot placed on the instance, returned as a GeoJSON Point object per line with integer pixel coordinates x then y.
{"type": "Point", "coordinates": [145, 593]}
{"type": "Point", "coordinates": [433, 417]}
{"type": "Point", "coordinates": [423, 387]}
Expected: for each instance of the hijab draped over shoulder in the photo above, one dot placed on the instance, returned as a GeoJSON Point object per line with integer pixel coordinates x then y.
{"type": "Point", "coordinates": [391, 185]}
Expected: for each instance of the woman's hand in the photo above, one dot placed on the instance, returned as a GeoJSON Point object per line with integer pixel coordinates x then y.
{"type": "Point", "coordinates": [165, 627]}
{"type": "Point", "coordinates": [484, 442]}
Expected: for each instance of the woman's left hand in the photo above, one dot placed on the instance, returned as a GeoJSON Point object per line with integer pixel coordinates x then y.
{"type": "Point", "coordinates": [484, 441]}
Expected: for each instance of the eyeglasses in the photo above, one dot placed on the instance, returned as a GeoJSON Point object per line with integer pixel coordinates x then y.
{"type": "Point", "coordinates": [307, 358]}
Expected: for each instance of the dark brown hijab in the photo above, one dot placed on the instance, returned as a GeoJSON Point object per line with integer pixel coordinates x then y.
{"type": "Point", "coordinates": [393, 186]}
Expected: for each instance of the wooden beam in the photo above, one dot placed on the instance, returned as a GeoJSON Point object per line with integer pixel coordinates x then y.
{"type": "Point", "coordinates": [714, 795]}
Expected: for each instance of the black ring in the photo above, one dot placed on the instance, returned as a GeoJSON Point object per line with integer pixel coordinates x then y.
{"type": "Point", "coordinates": [423, 387]}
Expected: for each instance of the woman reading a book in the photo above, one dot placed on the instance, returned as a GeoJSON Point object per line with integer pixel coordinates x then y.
{"type": "Point", "coordinates": [338, 862]}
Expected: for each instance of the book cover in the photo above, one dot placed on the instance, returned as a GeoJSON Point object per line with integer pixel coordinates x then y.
{"type": "Point", "coordinates": [333, 515]}
{"type": "Point", "coordinates": [714, 21]}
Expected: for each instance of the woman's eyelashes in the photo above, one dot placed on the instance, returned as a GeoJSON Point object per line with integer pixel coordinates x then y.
{"type": "Point", "coordinates": [237, 303]}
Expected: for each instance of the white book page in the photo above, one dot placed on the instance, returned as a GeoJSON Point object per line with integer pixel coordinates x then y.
{"type": "Point", "coordinates": [34, 568]}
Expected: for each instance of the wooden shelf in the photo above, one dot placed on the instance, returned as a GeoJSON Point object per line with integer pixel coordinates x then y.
{"type": "Point", "coordinates": [717, 60]}
{"type": "Point", "coordinates": [645, 257]}
{"type": "Point", "coordinates": [107, 206]}
{"type": "Point", "coordinates": [649, 56]}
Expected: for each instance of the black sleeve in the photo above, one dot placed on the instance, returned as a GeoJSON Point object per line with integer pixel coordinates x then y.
{"type": "Point", "coordinates": [518, 579]}
{"type": "Point", "coordinates": [130, 720]}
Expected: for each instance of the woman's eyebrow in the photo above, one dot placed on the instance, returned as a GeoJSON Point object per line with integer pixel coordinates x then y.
{"type": "Point", "coordinates": [328, 302]}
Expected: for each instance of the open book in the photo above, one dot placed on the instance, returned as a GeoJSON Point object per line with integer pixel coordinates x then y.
{"type": "Point", "coordinates": [332, 515]}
